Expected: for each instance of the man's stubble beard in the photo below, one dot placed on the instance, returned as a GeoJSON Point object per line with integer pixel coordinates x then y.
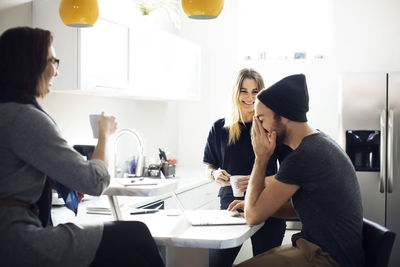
{"type": "Point", "coordinates": [280, 130]}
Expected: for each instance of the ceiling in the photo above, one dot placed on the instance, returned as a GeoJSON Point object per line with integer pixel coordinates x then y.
{"type": "Point", "coordinates": [4, 4]}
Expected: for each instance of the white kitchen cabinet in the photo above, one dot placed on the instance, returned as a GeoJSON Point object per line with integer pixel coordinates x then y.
{"type": "Point", "coordinates": [163, 64]}
{"type": "Point", "coordinates": [90, 57]}
{"type": "Point", "coordinates": [149, 58]}
{"type": "Point", "coordinates": [184, 68]}
{"type": "Point", "coordinates": [103, 57]}
{"type": "Point", "coordinates": [120, 55]}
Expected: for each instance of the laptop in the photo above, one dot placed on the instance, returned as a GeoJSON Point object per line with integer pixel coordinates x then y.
{"type": "Point", "coordinates": [209, 217]}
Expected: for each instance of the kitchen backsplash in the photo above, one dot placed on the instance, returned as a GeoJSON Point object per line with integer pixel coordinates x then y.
{"type": "Point", "coordinates": [155, 121]}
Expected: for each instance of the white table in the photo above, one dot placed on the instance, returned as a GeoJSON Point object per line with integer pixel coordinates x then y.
{"type": "Point", "coordinates": [185, 245]}
{"type": "Point", "coordinates": [181, 243]}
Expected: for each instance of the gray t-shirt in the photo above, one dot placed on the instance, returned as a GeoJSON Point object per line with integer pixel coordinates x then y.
{"type": "Point", "coordinates": [328, 202]}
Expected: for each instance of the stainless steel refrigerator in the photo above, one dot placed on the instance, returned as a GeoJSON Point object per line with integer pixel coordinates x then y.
{"type": "Point", "coordinates": [370, 133]}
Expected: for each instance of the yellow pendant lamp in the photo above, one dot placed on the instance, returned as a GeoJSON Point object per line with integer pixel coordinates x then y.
{"type": "Point", "coordinates": [79, 13]}
{"type": "Point", "coordinates": [202, 9]}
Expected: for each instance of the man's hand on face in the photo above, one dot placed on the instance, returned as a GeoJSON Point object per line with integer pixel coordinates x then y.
{"type": "Point", "coordinates": [264, 143]}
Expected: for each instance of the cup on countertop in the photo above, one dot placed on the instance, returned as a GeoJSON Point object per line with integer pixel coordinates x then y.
{"type": "Point", "coordinates": [236, 191]}
{"type": "Point", "coordinates": [94, 122]}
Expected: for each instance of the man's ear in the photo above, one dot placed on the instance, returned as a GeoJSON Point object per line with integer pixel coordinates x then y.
{"type": "Point", "coordinates": [284, 120]}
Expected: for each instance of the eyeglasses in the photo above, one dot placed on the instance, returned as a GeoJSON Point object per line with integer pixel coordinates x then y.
{"type": "Point", "coordinates": [55, 62]}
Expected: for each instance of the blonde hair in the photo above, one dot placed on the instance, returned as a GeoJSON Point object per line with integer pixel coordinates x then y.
{"type": "Point", "coordinates": [233, 121]}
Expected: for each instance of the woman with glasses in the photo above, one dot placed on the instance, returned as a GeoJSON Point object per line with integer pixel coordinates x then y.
{"type": "Point", "coordinates": [35, 158]}
{"type": "Point", "coordinates": [229, 152]}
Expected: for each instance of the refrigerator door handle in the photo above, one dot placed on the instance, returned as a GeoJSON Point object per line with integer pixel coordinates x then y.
{"type": "Point", "coordinates": [390, 152]}
{"type": "Point", "coordinates": [381, 185]}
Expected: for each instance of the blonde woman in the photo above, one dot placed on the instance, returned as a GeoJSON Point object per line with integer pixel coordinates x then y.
{"type": "Point", "coordinates": [229, 152]}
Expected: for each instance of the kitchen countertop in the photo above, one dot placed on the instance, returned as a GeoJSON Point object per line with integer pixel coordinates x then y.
{"type": "Point", "coordinates": [188, 178]}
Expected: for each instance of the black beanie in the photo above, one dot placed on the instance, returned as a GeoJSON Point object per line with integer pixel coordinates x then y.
{"type": "Point", "coordinates": [288, 97]}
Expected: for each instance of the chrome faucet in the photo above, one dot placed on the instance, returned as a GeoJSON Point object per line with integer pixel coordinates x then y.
{"type": "Point", "coordinates": [140, 159]}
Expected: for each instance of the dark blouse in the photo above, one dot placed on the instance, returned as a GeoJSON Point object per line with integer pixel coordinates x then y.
{"type": "Point", "coordinates": [237, 158]}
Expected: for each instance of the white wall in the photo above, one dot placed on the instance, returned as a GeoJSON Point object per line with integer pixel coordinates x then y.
{"type": "Point", "coordinates": [367, 35]}
{"type": "Point", "coordinates": [366, 38]}
{"type": "Point", "coordinates": [217, 40]}
{"type": "Point", "coordinates": [20, 15]}
{"type": "Point", "coordinates": [156, 122]}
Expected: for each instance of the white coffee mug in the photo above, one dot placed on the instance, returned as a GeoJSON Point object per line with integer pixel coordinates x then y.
{"type": "Point", "coordinates": [94, 122]}
{"type": "Point", "coordinates": [236, 191]}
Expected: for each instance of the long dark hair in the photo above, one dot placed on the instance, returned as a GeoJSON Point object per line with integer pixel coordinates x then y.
{"type": "Point", "coordinates": [23, 59]}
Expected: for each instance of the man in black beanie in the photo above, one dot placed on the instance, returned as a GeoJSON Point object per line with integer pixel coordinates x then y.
{"type": "Point", "coordinates": [316, 183]}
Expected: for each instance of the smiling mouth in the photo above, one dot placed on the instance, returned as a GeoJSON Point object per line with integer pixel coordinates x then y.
{"type": "Point", "coordinates": [248, 103]}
